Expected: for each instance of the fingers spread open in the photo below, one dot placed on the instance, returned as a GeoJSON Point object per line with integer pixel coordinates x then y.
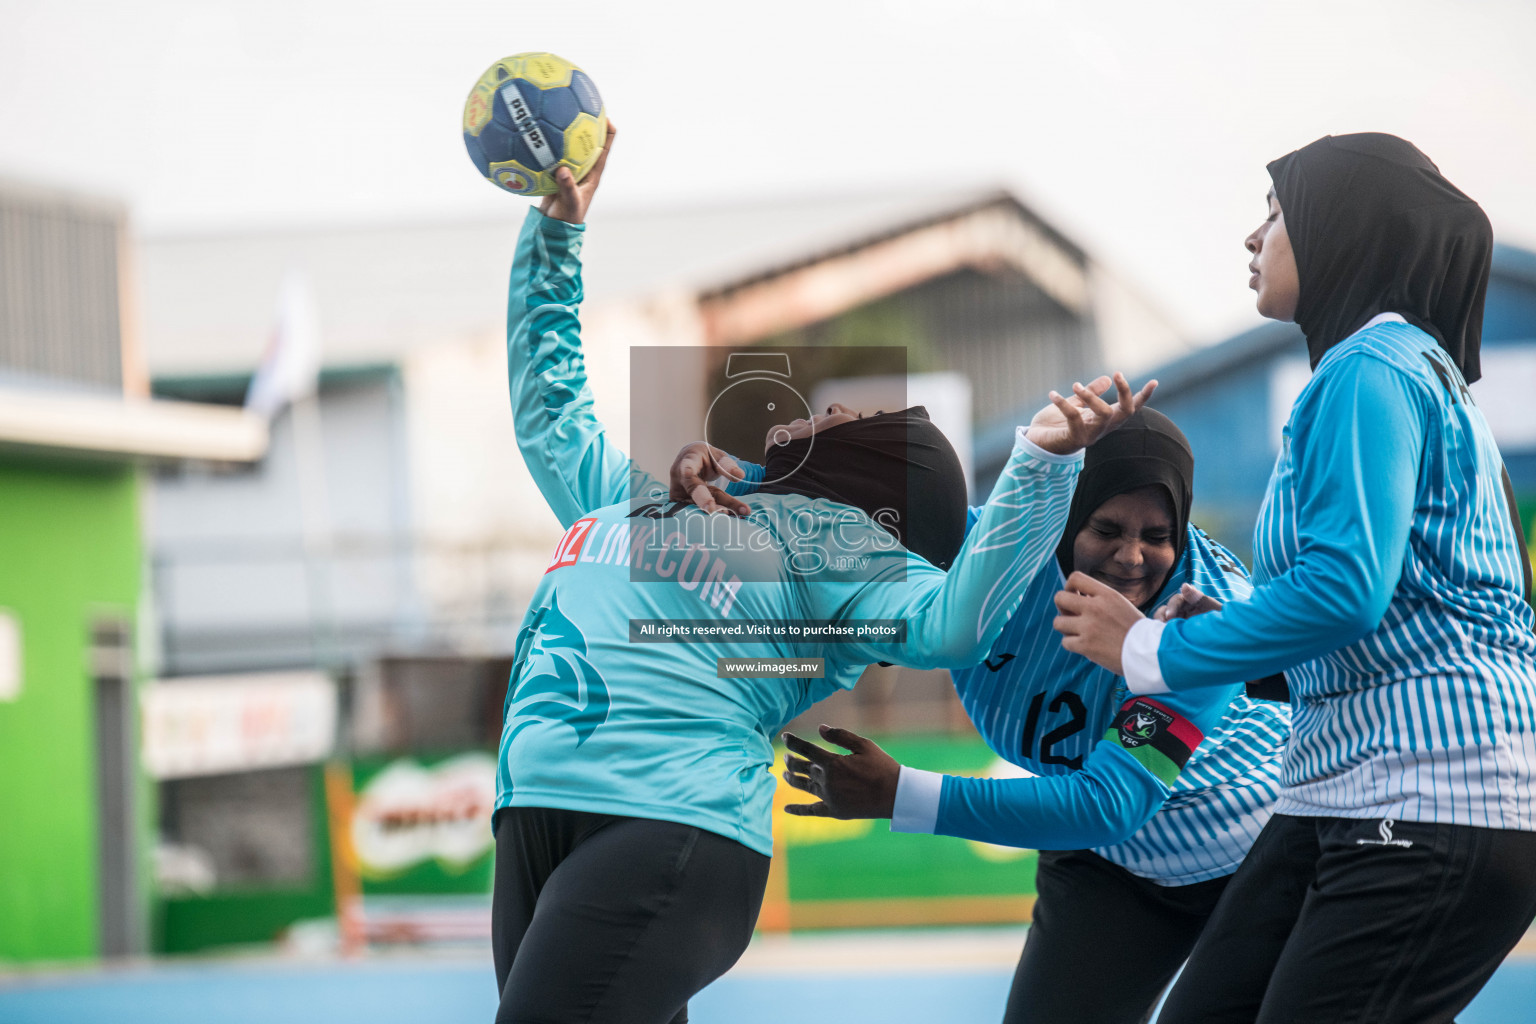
{"type": "Point", "coordinates": [816, 810]}
{"type": "Point", "coordinates": [728, 503]}
{"type": "Point", "coordinates": [1092, 401]}
{"type": "Point", "coordinates": [799, 781]}
{"type": "Point", "coordinates": [808, 750]}
{"type": "Point", "coordinates": [703, 496]}
{"type": "Point", "coordinates": [844, 738]}
{"type": "Point", "coordinates": [728, 466]}
{"type": "Point", "coordinates": [1100, 384]}
{"type": "Point", "coordinates": [1070, 412]}
{"type": "Point", "coordinates": [796, 764]}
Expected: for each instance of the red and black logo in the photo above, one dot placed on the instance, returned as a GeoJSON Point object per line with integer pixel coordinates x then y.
{"type": "Point", "coordinates": [1143, 722]}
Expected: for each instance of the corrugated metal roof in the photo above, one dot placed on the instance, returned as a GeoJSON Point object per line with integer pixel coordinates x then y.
{"type": "Point", "coordinates": [1511, 265]}
{"type": "Point", "coordinates": [209, 300]}
{"type": "Point", "coordinates": [59, 285]}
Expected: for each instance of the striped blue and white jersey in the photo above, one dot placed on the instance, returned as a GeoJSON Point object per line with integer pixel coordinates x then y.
{"type": "Point", "coordinates": [1048, 711]}
{"type": "Point", "coordinates": [1389, 588]}
{"type": "Point", "coordinates": [1043, 708]}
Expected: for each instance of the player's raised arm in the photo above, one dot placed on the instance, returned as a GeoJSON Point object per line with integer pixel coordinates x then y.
{"type": "Point", "coordinates": [563, 443]}
{"type": "Point", "coordinates": [952, 618]}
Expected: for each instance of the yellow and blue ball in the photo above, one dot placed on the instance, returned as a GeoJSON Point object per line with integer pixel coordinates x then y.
{"type": "Point", "coordinates": [527, 116]}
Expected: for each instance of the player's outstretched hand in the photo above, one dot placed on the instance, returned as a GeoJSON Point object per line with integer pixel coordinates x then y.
{"type": "Point", "coordinates": [571, 202]}
{"type": "Point", "coordinates": [1093, 619]}
{"type": "Point", "coordinates": [1186, 604]}
{"type": "Point", "coordinates": [859, 784]}
{"type": "Point", "coordinates": [695, 466]}
{"type": "Point", "coordinates": [1069, 425]}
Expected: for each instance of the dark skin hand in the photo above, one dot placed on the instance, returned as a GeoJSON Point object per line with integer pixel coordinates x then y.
{"type": "Point", "coordinates": [858, 784]}
{"type": "Point", "coordinates": [697, 464]}
{"type": "Point", "coordinates": [1093, 620]}
{"type": "Point", "coordinates": [571, 202]}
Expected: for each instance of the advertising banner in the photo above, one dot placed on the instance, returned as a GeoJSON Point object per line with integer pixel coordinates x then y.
{"type": "Point", "coordinates": [214, 725]}
{"type": "Point", "coordinates": [423, 825]}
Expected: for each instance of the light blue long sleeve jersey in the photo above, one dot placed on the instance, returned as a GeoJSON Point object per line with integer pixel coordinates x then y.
{"type": "Point", "coordinates": [1041, 707]}
{"type": "Point", "coordinates": [1389, 589]}
{"type": "Point", "coordinates": [1047, 710]}
{"type": "Point", "coordinates": [596, 722]}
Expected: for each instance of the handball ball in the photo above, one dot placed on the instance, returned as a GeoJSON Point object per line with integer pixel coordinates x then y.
{"type": "Point", "coordinates": [527, 116]}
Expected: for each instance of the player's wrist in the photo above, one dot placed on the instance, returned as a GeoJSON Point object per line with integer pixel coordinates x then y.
{"type": "Point", "coordinates": [1025, 439]}
{"type": "Point", "coordinates": [552, 223]}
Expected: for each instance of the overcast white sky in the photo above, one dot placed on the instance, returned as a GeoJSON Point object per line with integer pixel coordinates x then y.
{"type": "Point", "coordinates": [1141, 129]}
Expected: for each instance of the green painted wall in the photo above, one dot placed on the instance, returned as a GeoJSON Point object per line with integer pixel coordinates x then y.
{"type": "Point", "coordinates": [828, 859]}
{"type": "Point", "coordinates": [69, 548]}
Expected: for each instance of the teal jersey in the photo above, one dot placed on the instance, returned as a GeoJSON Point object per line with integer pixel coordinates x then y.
{"type": "Point", "coordinates": [599, 719]}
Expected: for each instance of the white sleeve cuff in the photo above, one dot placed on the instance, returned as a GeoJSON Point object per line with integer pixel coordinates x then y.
{"type": "Point", "coordinates": [917, 801]}
{"type": "Point", "coordinates": [1021, 441]}
{"type": "Point", "coordinates": [1138, 658]}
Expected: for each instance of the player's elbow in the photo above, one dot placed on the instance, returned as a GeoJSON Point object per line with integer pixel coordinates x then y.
{"type": "Point", "coordinates": [952, 649]}
{"type": "Point", "coordinates": [1358, 614]}
{"type": "Point", "coordinates": [959, 650]}
{"type": "Point", "coordinates": [1122, 794]}
{"type": "Point", "coordinates": [1112, 833]}
{"type": "Point", "coordinates": [1361, 623]}
{"type": "Point", "coordinates": [1348, 595]}
{"type": "Point", "coordinates": [1128, 818]}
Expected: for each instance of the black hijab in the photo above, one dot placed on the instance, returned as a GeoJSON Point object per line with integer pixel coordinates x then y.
{"type": "Point", "coordinates": [897, 461]}
{"type": "Point", "coordinates": [1376, 229]}
{"type": "Point", "coordinates": [1147, 450]}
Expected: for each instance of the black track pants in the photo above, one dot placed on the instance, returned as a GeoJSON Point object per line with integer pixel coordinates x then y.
{"type": "Point", "coordinates": [1357, 921]}
{"type": "Point", "coordinates": [1104, 943]}
{"type": "Point", "coordinates": [600, 918]}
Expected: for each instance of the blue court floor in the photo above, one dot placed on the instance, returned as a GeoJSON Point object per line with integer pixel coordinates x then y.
{"type": "Point", "coordinates": [935, 977]}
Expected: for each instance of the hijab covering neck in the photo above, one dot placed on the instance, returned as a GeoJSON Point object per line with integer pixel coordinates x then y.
{"type": "Point", "coordinates": [1377, 229]}
{"type": "Point", "coordinates": [897, 467]}
{"type": "Point", "coordinates": [1147, 450]}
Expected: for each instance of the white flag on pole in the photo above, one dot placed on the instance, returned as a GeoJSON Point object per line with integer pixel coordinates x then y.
{"type": "Point", "coordinates": [290, 367]}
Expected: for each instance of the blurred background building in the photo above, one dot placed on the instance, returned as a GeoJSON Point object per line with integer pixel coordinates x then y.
{"type": "Point", "coordinates": [76, 433]}
{"type": "Point", "coordinates": [323, 602]}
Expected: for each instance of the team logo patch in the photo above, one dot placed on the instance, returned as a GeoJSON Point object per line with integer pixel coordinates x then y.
{"type": "Point", "coordinates": [1162, 740]}
{"type": "Point", "coordinates": [513, 181]}
{"type": "Point", "coordinates": [569, 548]}
{"type": "Point", "coordinates": [1387, 839]}
{"type": "Point", "coordinates": [553, 680]}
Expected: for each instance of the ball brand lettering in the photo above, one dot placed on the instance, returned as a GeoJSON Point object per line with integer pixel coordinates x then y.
{"type": "Point", "coordinates": [526, 126]}
{"type": "Point", "coordinates": [528, 114]}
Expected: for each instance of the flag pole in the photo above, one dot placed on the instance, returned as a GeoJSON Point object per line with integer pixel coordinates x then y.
{"type": "Point", "coordinates": [289, 376]}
